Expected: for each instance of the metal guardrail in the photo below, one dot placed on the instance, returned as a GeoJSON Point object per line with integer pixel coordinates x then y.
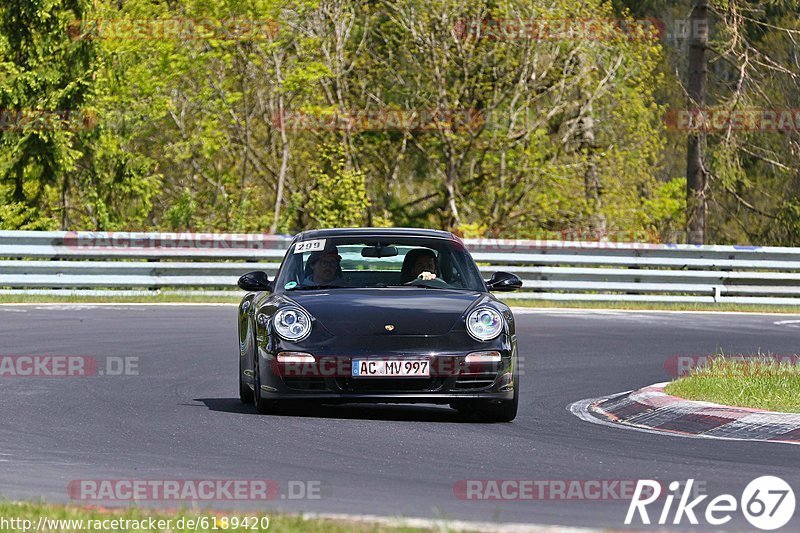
{"type": "Point", "coordinates": [146, 263]}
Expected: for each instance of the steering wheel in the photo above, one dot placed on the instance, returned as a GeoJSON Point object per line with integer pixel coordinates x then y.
{"type": "Point", "coordinates": [435, 282]}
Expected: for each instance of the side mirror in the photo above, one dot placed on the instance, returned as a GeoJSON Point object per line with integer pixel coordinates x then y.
{"type": "Point", "coordinates": [256, 281]}
{"type": "Point", "coordinates": [503, 281]}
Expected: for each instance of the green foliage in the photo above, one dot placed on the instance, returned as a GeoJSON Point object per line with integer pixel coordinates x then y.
{"type": "Point", "coordinates": [785, 227]}
{"type": "Point", "coordinates": [181, 215]}
{"type": "Point", "coordinates": [565, 136]}
{"type": "Point", "coordinates": [339, 198]}
{"type": "Point", "coordinates": [663, 214]}
{"type": "Point", "coordinates": [17, 215]}
{"type": "Point", "coordinates": [47, 78]}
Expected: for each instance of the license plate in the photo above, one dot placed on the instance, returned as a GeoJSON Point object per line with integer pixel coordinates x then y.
{"type": "Point", "coordinates": [367, 368]}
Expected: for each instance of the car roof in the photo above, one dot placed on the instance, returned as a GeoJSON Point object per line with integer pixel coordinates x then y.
{"type": "Point", "coordinates": [375, 232]}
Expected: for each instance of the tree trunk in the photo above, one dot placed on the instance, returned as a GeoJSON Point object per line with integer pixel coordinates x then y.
{"type": "Point", "coordinates": [696, 173]}
{"type": "Point", "coordinates": [282, 172]}
{"type": "Point", "coordinates": [19, 190]}
{"type": "Point", "coordinates": [285, 153]}
{"type": "Point", "coordinates": [593, 190]}
{"type": "Point", "coordinates": [451, 177]}
{"type": "Point", "coordinates": [65, 203]}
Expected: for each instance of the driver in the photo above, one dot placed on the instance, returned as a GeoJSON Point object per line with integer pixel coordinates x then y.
{"type": "Point", "coordinates": [324, 266]}
{"type": "Point", "coordinates": [419, 263]}
{"type": "Point", "coordinates": [425, 267]}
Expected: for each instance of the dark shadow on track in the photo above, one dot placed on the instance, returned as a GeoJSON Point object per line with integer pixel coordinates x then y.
{"type": "Point", "coordinates": [390, 412]}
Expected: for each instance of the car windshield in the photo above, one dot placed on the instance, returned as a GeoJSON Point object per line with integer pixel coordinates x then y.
{"type": "Point", "coordinates": [391, 262]}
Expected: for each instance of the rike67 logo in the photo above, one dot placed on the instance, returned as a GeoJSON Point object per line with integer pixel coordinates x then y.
{"type": "Point", "coordinates": [767, 503]}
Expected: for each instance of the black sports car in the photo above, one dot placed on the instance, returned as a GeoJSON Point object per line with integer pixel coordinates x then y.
{"type": "Point", "coordinates": [379, 315]}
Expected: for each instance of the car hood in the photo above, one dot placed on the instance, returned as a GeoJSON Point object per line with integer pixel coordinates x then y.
{"type": "Point", "coordinates": [412, 311]}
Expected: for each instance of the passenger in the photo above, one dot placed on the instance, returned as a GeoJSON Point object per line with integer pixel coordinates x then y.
{"type": "Point", "coordinates": [323, 267]}
{"type": "Point", "coordinates": [418, 263]}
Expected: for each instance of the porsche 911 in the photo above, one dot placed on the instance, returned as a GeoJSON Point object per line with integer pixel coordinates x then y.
{"type": "Point", "coordinates": [383, 315]}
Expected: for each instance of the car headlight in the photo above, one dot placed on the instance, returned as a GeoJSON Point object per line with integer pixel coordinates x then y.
{"type": "Point", "coordinates": [484, 323]}
{"type": "Point", "coordinates": [292, 323]}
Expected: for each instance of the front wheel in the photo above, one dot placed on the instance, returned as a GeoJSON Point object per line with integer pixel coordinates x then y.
{"type": "Point", "coordinates": [491, 410]}
{"type": "Point", "coordinates": [262, 406]}
{"type": "Point", "coordinates": [245, 392]}
{"type": "Point", "coordinates": [502, 411]}
{"type": "Point", "coordinates": [488, 411]}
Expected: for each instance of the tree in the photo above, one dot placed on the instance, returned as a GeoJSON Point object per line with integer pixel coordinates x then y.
{"type": "Point", "coordinates": [340, 196]}
{"type": "Point", "coordinates": [696, 171]}
{"type": "Point", "coordinates": [47, 79]}
{"type": "Point", "coordinates": [551, 109]}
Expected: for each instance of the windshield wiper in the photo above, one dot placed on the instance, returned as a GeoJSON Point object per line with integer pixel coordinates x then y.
{"type": "Point", "coordinates": [315, 287]}
{"type": "Point", "coordinates": [423, 284]}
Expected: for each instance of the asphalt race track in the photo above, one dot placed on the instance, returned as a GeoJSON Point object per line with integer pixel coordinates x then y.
{"type": "Point", "coordinates": [180, 417]}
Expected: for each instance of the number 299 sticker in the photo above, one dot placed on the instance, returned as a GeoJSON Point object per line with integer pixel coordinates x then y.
{"type": "Point", "coordinates": [309, 246]}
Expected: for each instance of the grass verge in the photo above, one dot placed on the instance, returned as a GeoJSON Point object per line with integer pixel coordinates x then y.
{"type": "Point", "coordinates": [166, 297]}
{"type": "Point", "coordinates": [88, 299]}
{"type": "Point", "coordinates": [656, 306]}
{"type": "Point", "coordinates": [69, 518]}
{"type": "Point", "coordinates": [759, 383]}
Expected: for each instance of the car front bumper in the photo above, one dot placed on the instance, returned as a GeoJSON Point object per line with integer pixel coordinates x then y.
{"type": "Point", "coordinates": [329, 379]}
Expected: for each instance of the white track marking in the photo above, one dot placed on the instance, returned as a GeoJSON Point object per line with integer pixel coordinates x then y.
{"type": "Point", "coordinates": [789, 323]}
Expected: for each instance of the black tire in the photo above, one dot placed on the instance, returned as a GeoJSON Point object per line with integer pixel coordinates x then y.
{"type": "Point", "coordinates": [264, 406]}
{"type": "Point", "coordinates": [502, 411]}
{"type": "Point", "coordinates": [491, 411]}
{"type": "Point", "coordinates": [245, 392]}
